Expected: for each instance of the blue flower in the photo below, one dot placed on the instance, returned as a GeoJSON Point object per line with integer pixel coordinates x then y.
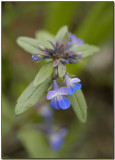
{"type": "Point", "coordinates": [35, 57]}
{"type": "Point", "coordinates": [59, 101]}
{"type": "Point", "coordinates": [72, 84]}
{"type": "Point", "coordinates": [56, 139]}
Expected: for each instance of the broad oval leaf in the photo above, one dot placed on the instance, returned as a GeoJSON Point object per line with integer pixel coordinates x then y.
{"type": "Point", "coordinates": [31, 99]}
{"type": "Point", "coordinates": [44, 73]}
{"type": "Point", "coordinates": [44, 36]}
{"type": "Point", "coordinates": [63, 35]}
{"type": "Point", "coordinates": [79, 105]}
{"type": "Point", "coordinates": [85, 50]}
{"type": "Point", "coordinates": [61, 70]}
{"type": "Point", "coordinates": [30, 45]}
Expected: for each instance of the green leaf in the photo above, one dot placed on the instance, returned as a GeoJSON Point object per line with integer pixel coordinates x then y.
{"type": "Point", "coordinates": [7, 116]}
{"type": "Point", "coordinates": [30, 45]}
{"type": "Point", "coordinates": [43, 36]}
{"type": "Point", "coordinates": [29, 99]}
{"type": "Point", "coordinates": [86, 50]}
{"type": "Point", "coordinates": [26, 93]}
{"type": "Point", "coordinates": [61, 70]}
{"type": "Point", "coordinates": [44, 73]}
{"type": "Point", "coordinates": [65, 10]}
{"type": "Point", "coordinates": [79, 105]}
{"type": "Point", "coordinates": [63, 35]}
{"type": "Point", "coordinates": [92, 32]}
{"type": "Point", "coordinates": [35, 143]}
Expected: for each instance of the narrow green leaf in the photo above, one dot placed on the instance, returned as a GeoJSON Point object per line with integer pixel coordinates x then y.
{"type": "Point", "coordinates": [44, 73]}
{"type": "Point", "coordinates": [35, 143]}
{"type": "Point", "coordinates": [24, 104]}
{"type": "Point", "coordinates": [79, 105]}
{"type": "Point", "coordinates": [63, 35]}
{"type": "Point", "coordinates": [7, 116]}
{"type": "Point", "coordinates": [44, 36]}
{"type": "Point", "coordinates": [30, 45]}
{"type": "Point", "coordinates": [61, 70]}
{"type": "Point", "coordinates": [86, 50]}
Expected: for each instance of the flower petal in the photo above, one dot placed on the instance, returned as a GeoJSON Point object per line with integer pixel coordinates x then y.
{"type": "Point", "coordinates": [57, 92]}
{"type": "Point", "coordinates": [74, 39]}
{"type": "Point", "coordinates": [71, 89]}
{"type": "Point", "coordinates": [75, 80]}
{"type": "Point", "coordinates": [76, 86]}
{"type": "Point", "coordinates": [51, 94]}
{"type": "Point", "coordinates": [56, 142]}
{"type": "Point", "coordinates": [54, 104]}
{"type": "Point", "coordinates": [63, 91]}
{"type": "Point", "coordinates": [64, 103]}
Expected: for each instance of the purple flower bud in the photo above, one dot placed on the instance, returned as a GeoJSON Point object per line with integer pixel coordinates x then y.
{"type": "Point", "coordinates": [56, 62]}
{"type": "Point", "coordinates": [35, 57]}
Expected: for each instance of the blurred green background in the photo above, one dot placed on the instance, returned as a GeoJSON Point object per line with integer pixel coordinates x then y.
{"type": "Point", "coordinates": [91, 21]}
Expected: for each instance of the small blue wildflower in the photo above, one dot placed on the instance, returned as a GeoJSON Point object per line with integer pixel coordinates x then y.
{"type": "Point", "coordinates": [59, 101]}
{"type": "Point", "coordinates": [72, 84]}
{"type": "Point", "coordinates": [35, 57]}
{"type": "Point", "coordinates": [56, 139]}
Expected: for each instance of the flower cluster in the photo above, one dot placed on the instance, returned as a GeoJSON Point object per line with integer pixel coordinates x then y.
{"type": "Point", "coordinates": [61, 53]}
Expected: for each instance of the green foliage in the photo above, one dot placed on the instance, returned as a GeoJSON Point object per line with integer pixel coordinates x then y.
{"type": "Point", "coordinates": [44, 73]}
{"type": "Point", "coordinates": [7, 116]}
{"type": "Point", "coordinates": [86, 50]}
{"type": "Point", "coordinates": [44, 36]}
{"type": "Point", "coordinates": [97, 24]}
{"type": "Point", "coordinates": [30, 45]}
{"type": "Point", "coordinates": [35, 143]}
{"type": "Point", "coordinates": [79, 105]}
{"type": "Point", "coordinates": [26, 93]}
{"type": "Point", "coordinates": [63, 35]}
{"type": "Point", "coordinates": [29, 99]}
{"type": "Point", "coordinates": [60, 14]}
{"type": "Point", "coordinates": [73, 138]}
{"type": "Point", "coordinates": [61, 70]}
